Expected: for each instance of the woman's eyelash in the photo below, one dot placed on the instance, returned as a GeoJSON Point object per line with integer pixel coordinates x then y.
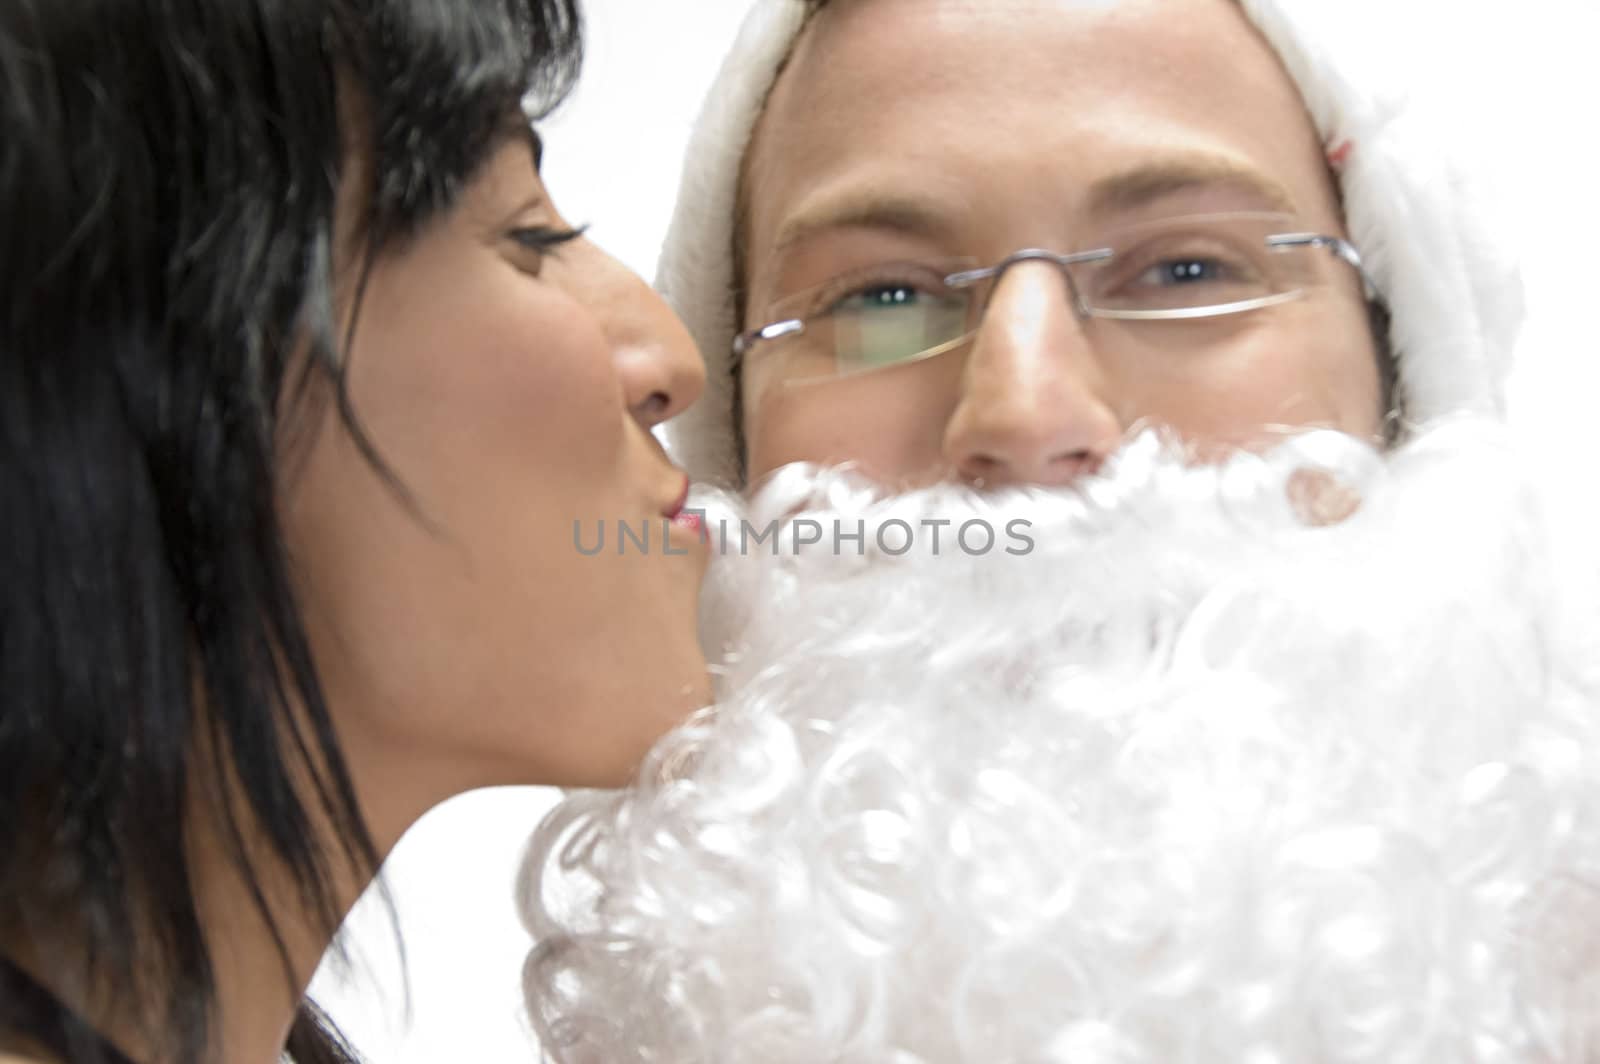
{"type": "Point", "coordinates": [546, 238]}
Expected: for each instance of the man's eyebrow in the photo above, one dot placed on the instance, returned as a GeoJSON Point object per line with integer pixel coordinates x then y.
{"type": "Point", "coordinates": [881, 209]}
{"type": "Point", "coordinates": [1144, 185]}
{"type": "Point", "coordinates": [887, 206]}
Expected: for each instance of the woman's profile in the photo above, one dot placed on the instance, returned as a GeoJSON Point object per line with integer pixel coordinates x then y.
{"type": "Point", "coordinates": [305, 381]}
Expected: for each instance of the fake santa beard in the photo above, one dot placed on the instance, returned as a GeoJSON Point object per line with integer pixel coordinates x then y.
{"type": "Point", "coordinates": [1192, 779]}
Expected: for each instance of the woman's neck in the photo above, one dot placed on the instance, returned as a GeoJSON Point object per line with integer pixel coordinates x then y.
{"type": "Point", "coordinates": [258, 984]}
{"type": "Point", "coordinates": [257, 998]}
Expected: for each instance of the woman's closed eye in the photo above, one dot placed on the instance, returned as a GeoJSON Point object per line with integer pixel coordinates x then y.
{"type": "Point", "coordinates": [532, 243]}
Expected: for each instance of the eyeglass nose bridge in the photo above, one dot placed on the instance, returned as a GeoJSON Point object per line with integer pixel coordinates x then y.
{"type": "Point", "coordinates": [969, 278]}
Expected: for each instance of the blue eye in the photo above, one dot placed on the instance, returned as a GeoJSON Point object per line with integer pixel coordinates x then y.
{"type": "Point", "coordinates": [1185, 271]}
{"type": "Point", "coordinates": [889, 296]}
{"type": "Point", "coordinates": [891, 321]}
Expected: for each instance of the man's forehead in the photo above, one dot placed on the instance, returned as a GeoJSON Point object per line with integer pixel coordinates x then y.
{"type": "Point", "coordinates": [905, 39]}
{"type": "Point", "coordinates": [834, 21]}
{"type": "Point", "coordinates": [900, 81]}
{"type": "Point", "coordinates": [815, 6]}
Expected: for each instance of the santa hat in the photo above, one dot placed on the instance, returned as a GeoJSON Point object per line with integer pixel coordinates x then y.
{"type": "Point", "coordinates": [1454, 297]}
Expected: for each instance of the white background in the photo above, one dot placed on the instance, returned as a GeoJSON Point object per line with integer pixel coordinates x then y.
{"type": "Point", "coordinates": [1519, 80]}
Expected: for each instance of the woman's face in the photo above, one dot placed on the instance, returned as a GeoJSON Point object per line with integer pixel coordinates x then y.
{"type": "Point", "coordinates": [921, 131]}
{"type": "Point", "coordinates": [510, 389]}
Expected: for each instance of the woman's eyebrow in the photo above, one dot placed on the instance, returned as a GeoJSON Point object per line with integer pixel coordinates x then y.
{"type": "Point", "coordinates": [515, 128]}
{"type": "Point", "coordinates": [536, 144]}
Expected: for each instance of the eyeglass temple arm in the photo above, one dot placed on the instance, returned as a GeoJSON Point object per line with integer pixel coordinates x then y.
{"type": "Point", "coordinates": [746, 340]}
{"type": "Point", "coordinates": [1339, 246]}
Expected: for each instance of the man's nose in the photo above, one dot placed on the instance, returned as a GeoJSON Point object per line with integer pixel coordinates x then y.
{"type": "Point", "coordinates": [1035, 406]}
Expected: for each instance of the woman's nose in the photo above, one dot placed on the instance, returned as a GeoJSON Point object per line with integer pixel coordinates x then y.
{"type": "Point", "coordinates": [1035, 406]}
{"type": "Point", "coordinates": [656, 360]}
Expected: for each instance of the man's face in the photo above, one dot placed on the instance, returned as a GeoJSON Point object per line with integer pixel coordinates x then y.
{"type": "Point", "coordinates": [922, 131]}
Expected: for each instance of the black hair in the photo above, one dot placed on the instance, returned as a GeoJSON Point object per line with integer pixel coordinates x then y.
{"type": "Point", "coordinates": [169, 171]}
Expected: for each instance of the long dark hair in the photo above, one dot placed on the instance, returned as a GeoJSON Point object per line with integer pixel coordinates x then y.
{"type": "Point", "coordinates": [168, 177]}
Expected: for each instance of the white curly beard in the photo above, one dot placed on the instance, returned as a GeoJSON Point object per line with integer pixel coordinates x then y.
{"type": "Point", "coordinates": [1192, 780]}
